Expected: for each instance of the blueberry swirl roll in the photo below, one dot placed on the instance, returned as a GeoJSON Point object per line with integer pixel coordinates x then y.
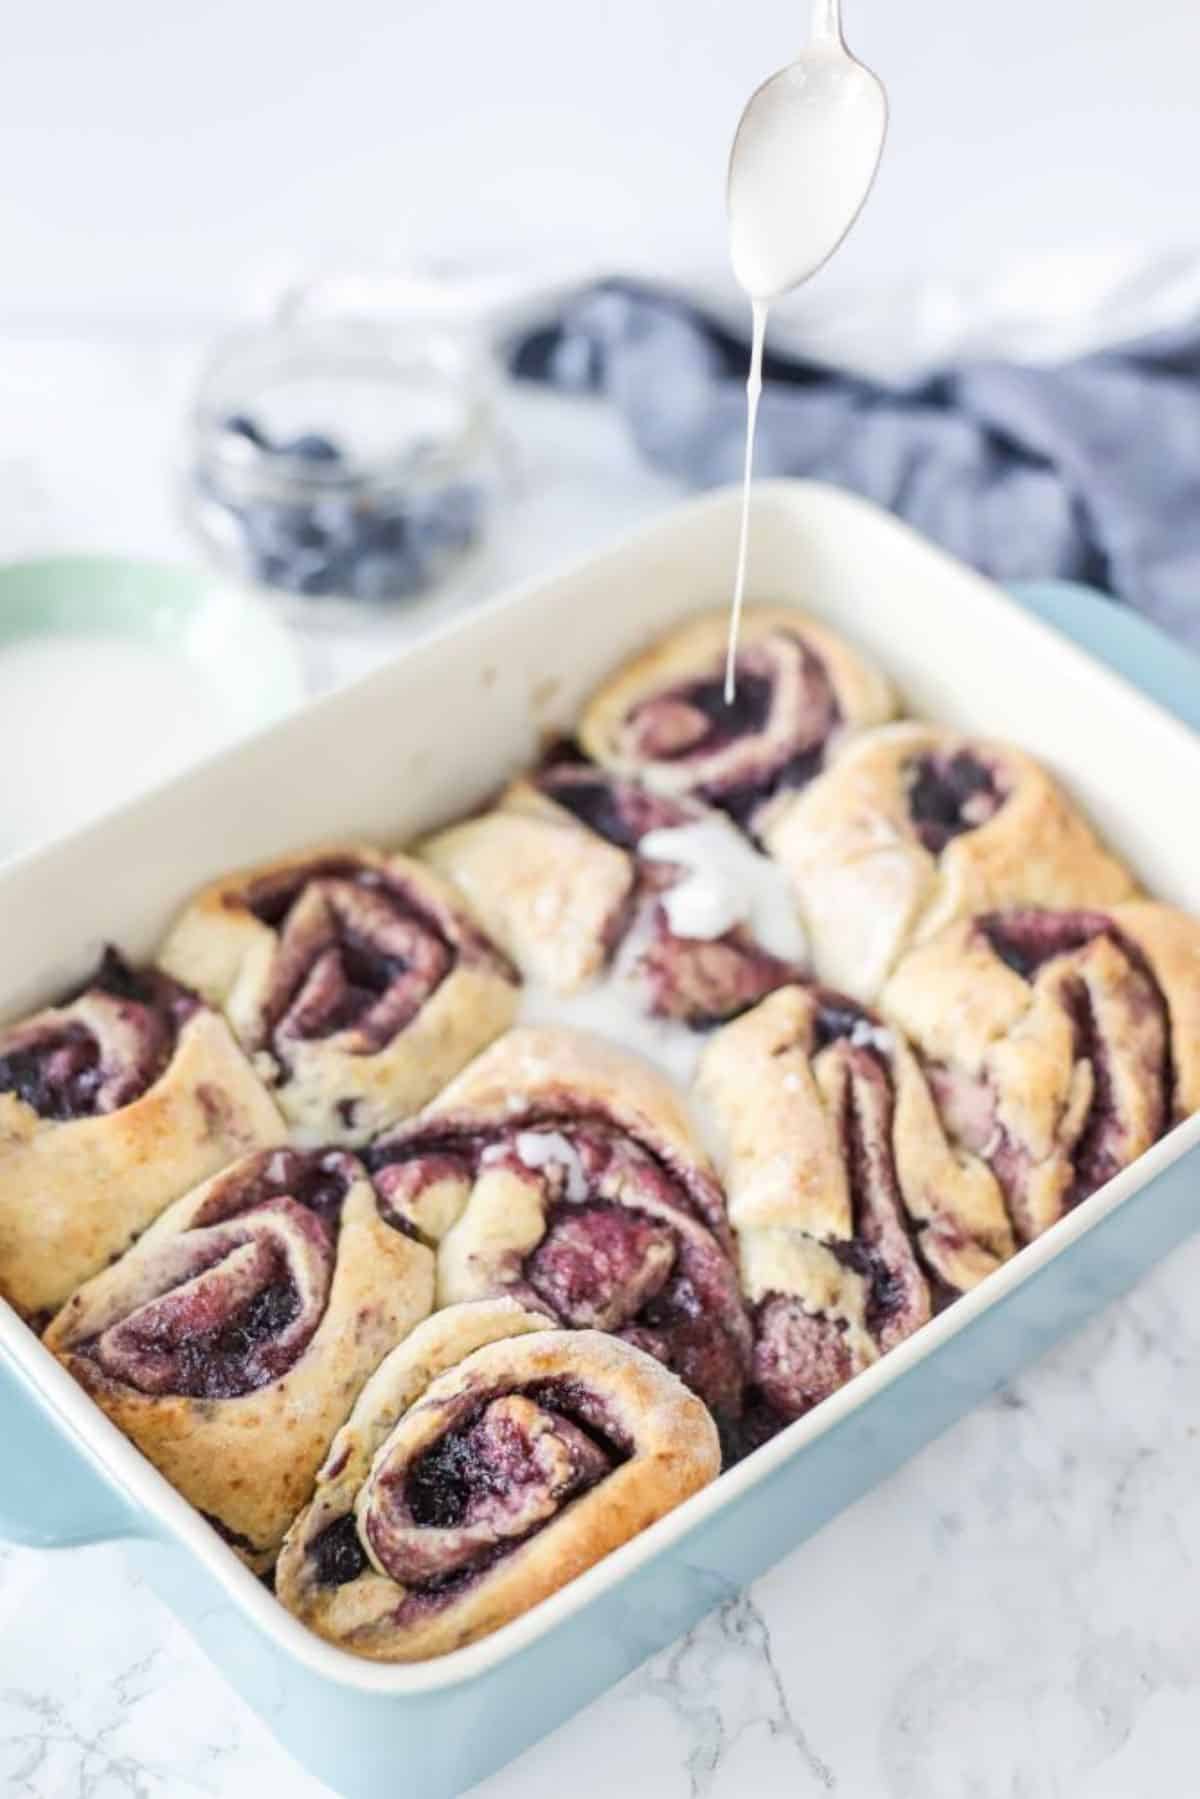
{"type": "Point", "coordinates": [358, 982]}
{"type": "Point", "coordinates": [854, 1216]}
{"type": "Point", "coordinates": [1059, 1045]}
{"type": "Point", "coordinates": [559, 1171]}
{"type": "Point", "coordinates": [801, 692]}
{"type": "Point", "coordinates": [918, 825]}
{"type": "Point", "coordinates": [231, 1341]}
{"type": "Point", "coordinates": [576, 872]}
{"type": "Point", "coordinates": [488, 1462]}
{"type": "Point", "coordinates": [112, 1104]}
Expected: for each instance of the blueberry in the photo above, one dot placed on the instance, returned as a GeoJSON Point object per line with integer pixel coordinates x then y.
{"type": "Point", "coordinates": [240, 424]}
{"type": "Point", "coordinates": [383, 575]}
{"type": "Point", "coordinates": [306, 571]}
{"type": "Point", "coordinates": [338, 519]}
{"type": "Point", "coordinates": [312, 447]}
{"type": "Point", "coordinates": [451, 519]}
{"type": "Point", "coordinates": [387, 532]}
{"type": "Point", "coordinates": [275, 530]}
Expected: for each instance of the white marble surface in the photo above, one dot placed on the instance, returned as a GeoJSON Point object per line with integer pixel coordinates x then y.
{"type": "Point", "coordinates": [1012, 1616]}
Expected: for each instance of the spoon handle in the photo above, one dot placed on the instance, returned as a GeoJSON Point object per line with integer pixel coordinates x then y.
{"type": "Point", "coordinates": [827, 22]}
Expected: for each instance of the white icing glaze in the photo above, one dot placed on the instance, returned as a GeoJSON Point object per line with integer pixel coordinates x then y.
{"type": "Point", "coordinates": [866, 1035]}
{"type": "Point", "coordinates": [550, 1149]}
{"type": "Point", "coordinates": [726, 882]}
{"type": "Point", "coordinates": [610, 1009]}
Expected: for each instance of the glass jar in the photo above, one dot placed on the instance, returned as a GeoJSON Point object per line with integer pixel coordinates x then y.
{"type": "Point", "coordinates": [347, 463]}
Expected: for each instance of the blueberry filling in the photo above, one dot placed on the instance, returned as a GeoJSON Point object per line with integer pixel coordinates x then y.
{"type": "Point", "coordinates": [365, 974]}
{"type": "Point", "coordinates": [1120, 1038]}
{"type": "Point", "coordinates": [619, 811]}
{"type": "Point", "coordinates": [601, 1144]}
{"type": "Point", "coordinates": [358, 952]}
{"type": "Point", "coordinates": [317, 1179]}
{"type": "Point", "coordinates": [881, 1248]}
{"type": "Point", "coordinates": [741, 802]}
{"type": "Point", "coordinates": [144, 986]}
{"type": "Point", "coordinates": [272, 897]}
{"type": "Point", "coordinates": [948, 795]}
{"type": "Point", "coordinates": [504, 1467]}
{"type": "Point", "coordinates": [337, 1554]}
{"type": "Point", "coordinates": [235, 1538]}
{"type": "Point", "coordinates": [799, 1360]}
{"type": "Point", "coordinates": [57, 1064]}
{"type": "Point", "coordinates": [1025, 939]}
{"type": "Point", "coordinates": [800, 1356]}
{"type": "Point", "coordinates": [887, 1292]}
{"type": "Point", "coordinates": [835, 1019]}
{"type": "Point", "coordinates": [597, 1265]}
{"type": "Point", "coordinates": [705, 983]}
{"type": "Point", "coordinates": [604, 1261]}
{"type": "Point", "coordinates": [727, 720]}
{"type": "Point", "coordinates": [763, 745]}
{"type": "Point", "coordinates": [59, 1077]}
{"type": "Point", "coordinates": [1095, 1160]}
{"type": "Point", "coordinates": [488, 1458]}
{"type": "Point", "coordinates": [232, 1358]}
{"type": "Point", "coordinates": [594, 804]}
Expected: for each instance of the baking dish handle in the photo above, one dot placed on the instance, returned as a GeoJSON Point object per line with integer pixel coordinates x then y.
{"type": "Point", "coordinates": [50, 1495]}
{"type": "Point", "coordinates": [1129, 643]}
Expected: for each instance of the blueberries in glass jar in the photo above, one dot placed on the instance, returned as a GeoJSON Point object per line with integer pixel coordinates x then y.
{"type": "Point", "coordinates": [383, 575]}
{"type": "Point", "coordinates": [312, 446]}
{"type": "Point", "coordinates": [337, 540]}
{"type": "Point", "coordinates": [451, 519]}
{"type": "Point", "coordinates": [240, 424]}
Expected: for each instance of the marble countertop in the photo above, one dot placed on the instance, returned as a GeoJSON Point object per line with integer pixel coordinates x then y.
{"type": "Point", "coordinates": [1011, 1616]}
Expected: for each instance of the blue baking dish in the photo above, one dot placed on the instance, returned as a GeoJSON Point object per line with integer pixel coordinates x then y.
{"type": "Point", "coordinates": [369, 1731]}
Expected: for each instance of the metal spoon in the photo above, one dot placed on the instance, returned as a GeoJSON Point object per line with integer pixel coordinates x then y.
{"type": "Point", "coordinates": [803, 160]}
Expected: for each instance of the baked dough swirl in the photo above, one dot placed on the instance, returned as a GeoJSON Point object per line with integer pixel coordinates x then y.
{"type": "Point", "coordinates": [489, 1461]}
{"type": "Point", "coordinates": [358, 982]}
{"type": "Point", "coordinates": [230, 1342]}
{"type": "Point", "coordinates": [1059, 1045]}
{"type": "Point", "coordinates": [112, 1104]}
{"type": "Point", "coordinates": [854, 1216]}
{"type": "Point", "coordinates": [557, 873]}
{"type": "Point", "coordinates": [559, 1171]}
{"type": "Point", "coordinates": [917, 825]}
{"type": "Point", "coordinates": [801, 693]}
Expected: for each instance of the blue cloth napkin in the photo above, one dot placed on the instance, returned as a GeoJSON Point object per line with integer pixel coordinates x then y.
{"type": "Point", "coordinates": [1089, 470]}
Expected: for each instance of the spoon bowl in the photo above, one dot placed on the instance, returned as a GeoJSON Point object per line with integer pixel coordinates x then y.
{"type": "Point", "coordinates": [803, 160]}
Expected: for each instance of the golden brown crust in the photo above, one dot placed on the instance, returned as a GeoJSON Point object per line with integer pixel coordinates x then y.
{"type": "Point", "coordinates": [774, 1084]}
{"type": "Point", "coordinates": [671, 1452]}
{"type": "Point", "coordinates": [333, 1087]}
{"type": "Point", "coordinates": [75, 1193]}
{"type": "Point", "coordinates": [861, 696]}
{"type": "Point", "coordinates": [1047, 1041]}
{"type": "Point", "coordinates": [537, 1073]}
{"type": "Point", "coordinates": [1170, 941]}
{"type": "Point", "coordinates": [248, 1462]}
{"type": "Point", "coordinates": [549, 891]}
{"type": "Point", "coordinates": [553, 1203]}
{"type": "Point", "coordinates": [867, 885]}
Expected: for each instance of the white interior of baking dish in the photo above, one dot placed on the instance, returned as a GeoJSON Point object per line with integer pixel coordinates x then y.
{"type": "Point", "coordinates": [438, 730]}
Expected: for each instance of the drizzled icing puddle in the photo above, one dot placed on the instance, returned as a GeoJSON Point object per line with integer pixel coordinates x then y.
{"type": "Point", "coordinates": [609, 1009]}
{"type": "Point", "coordinates": [726, 882]}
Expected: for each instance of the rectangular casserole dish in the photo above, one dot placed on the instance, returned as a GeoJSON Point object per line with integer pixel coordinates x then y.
{"type": "Point", "coordinates": [428, 737]}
